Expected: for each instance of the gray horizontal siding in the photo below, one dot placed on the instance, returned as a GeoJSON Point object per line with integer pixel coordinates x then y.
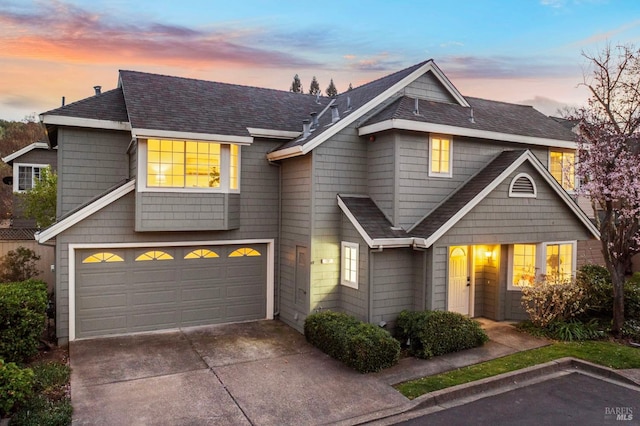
{"type": "Point", "coordinates": [427, 86]}
{"type": "Point", "coordinates": [382, 169]}
{"type": "Point", "coordinates": [356, 301]}
{"type": "Point", "coordinates": [90, 162]}
{"type": "Point", "coordinates": [394, 284]}
{"type": "Point", "coordinates": [174, 211]}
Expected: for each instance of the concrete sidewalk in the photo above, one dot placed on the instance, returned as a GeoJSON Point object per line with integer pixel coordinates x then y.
{"type": "Point", "coordinates": [258, 373]}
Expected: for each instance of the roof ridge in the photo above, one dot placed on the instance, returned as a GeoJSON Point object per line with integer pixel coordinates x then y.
{"type": "Point", "coordinates": [414, 66]}
{"type": "Point", "coordinates": [218, 82]}
{"type": "Point", "coordinates": [83, 100]}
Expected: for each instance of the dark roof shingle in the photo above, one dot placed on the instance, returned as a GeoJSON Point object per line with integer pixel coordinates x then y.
{"type": "Point", "coordinates": [109, 106]}
{"type": "Point", "coordinates": [371, 218]}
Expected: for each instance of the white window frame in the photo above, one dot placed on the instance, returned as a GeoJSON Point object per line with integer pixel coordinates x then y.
{"type": "Point", "coordinates": [225, 178]}
{"type": "Point", "coordinates": [438, 174]}
{"type": "Point", "coordinates": [521, 194]}
{"type": "Point", "coordinates": [16, 174]}
{"type": "Point", "coordinates": [354, 248]}
{"type": "Point", "coordinates": [575, 160]}
{"type": "Point", "coordinates": [541, 260]}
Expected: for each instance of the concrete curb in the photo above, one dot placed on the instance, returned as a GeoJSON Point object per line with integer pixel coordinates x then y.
{"type": "Point", "coordinates": [510, 380]}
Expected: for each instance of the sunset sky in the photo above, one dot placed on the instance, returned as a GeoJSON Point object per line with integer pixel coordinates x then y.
{"type": "Point", "coordinates": [523, 51]}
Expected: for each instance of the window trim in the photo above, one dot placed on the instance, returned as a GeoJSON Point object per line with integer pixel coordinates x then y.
{"type": "Point", "coordinates": [225, 178]}
{"type": "Point", "coordinates": [575, 177]}
{"type": "Point", "coordinates": [439, 174]}
{"type": "Point", "coordinates": [16, 174]}
{"type": "Point", "coordinates": [574, 254]}
{"type": "Point", "coordinates": [523, 194]}
{"type": "Point", "coordinates": [344, 245]}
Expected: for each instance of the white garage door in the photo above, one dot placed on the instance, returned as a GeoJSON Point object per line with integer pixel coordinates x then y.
{"type": "Point", "coordinates": [131, 290]}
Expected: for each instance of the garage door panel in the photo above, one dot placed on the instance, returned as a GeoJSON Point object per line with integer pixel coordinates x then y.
{"type": "Point", "coordinates": [130, 296]}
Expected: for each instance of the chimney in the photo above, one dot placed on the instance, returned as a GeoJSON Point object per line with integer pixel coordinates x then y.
{"type": "Point", "coordinates": [306, 128]}
{"type": "Point", "coordinates": [335, 115]}
{"type": "Point", "coordinates": [314, 119]}
{"type": "Point", "coordinates": [416, 109]}
{"type": "Point", "coordinates": [98, 89]}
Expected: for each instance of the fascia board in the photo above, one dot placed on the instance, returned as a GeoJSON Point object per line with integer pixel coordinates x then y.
{"type": "Point", "coordinates": [392, 242]}
{"type": "Point", "coordinates": [351, 118]}
{"type": "Point", "coordinates": [209, 137]}
{"type": "Point", "coordinates": [271, 133]}
{"type": "Point", "coordinates": [462, 131]}
{"type": "Point", "coordinates": [60, 120]}
{"type": "Point", "coordinates": [55, 229]}
{"type": "Point", "coordinates": [293, 151]}
{"type": "Point", "coordinates": [22, 151]}
{"type": "Point", "coordinates": [474, 202]}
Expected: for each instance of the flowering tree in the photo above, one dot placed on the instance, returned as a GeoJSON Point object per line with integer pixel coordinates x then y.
{"type": "Point", "coordinates": [609, 160]}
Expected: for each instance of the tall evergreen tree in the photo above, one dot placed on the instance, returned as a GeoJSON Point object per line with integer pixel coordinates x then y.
{"type": "Point", "coordinates": [350, 88]}
{"type": "Point", "coordinates": [331, 90]}
{"type": "Point", "coordinates": [314, 88]}
{"type": "Point", "coordinates": [296, 86]}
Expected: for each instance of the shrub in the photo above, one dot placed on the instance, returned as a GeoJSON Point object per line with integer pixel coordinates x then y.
{"type": "Point", "coordinates": [16, 386]}
{"type": "Point", "coordinates": [19, 265]}
{"type": "Point", "coordinates": [43, 411]}
{"type": "Point", "coordinates": [363, 347]}
{"type": "Point", "coordinates": [631, 330]}
{"type": "Point", "coordinates": [595, 280]}
{"type": "Point", "coordinates": [547, 301]}
{"type": "Point", "coordinates": [433, 333]}
{"type": "Point", "coordinates": [632, 297]}
{"type": "Point", "coordinates": [22, 319]}
{"type": "Point", "coordinates": [574, 329]}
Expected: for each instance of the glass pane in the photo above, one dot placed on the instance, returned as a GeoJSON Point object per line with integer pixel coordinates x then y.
{"type": "Point", "coordinates": [524, 264]}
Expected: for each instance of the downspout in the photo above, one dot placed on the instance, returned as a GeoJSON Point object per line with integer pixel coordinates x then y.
{"type": "Point", "coordinates": [277, 295]}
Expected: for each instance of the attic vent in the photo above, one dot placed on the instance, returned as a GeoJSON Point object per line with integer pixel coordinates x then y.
{"type": "Point", "coordinates": [523, 186]}
{"type": "Point", "coordinates": [335, 114]}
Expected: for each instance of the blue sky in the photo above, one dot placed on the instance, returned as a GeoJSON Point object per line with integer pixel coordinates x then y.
{"type": "Point", "coordinates": [523, 51]}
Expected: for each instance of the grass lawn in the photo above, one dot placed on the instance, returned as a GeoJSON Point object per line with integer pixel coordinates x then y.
{"type": "Point", "coordinates": [605, 353]}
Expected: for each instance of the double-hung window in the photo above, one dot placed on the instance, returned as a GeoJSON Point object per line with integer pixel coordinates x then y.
{"type": "Point", "coordinates": [28, 175]}
{"type": "Point", "coordinates": [440, 155]}
{"type": "Point", "coordinates": [562, 165]}
{"type": "Point", "coordinates": [192, 164]}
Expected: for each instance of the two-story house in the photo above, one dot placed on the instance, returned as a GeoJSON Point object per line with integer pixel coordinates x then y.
{"type": "Point", "coordinates": [185, 202]}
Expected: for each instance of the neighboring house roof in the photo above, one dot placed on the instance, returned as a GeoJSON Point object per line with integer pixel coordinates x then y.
{"type": "Point", "coordinates": [484, 118]}
{"type": "Point", "coordinates": [432, 227]}
{"type": "Point", "coordinates": [36, 145]}
{"type": "Point", "coordinates": [16, 234]}
{"type": "Point", "coordinates": [82, 212]}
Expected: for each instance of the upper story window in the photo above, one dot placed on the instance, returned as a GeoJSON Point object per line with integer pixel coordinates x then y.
{"type": "Point", "coordinates": [440, 155]}
{"type": "Point", "coordinates": [562, 167]}
{"type": "Point", "coordinates": [28, 175]}
{"type": "Point", "coordinates": [191, 164]}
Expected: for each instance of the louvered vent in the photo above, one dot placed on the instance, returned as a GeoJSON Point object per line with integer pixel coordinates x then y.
{"type": "Point", "coordinates": [522, 186]}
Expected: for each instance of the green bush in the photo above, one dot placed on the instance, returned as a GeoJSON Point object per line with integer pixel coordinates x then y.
{"type": "Point", "coordinates": [16, 386]}
{"type": "Point", "coordinates": [631, 330]}
{"type": "Point", "coordinates": [598, 291]}
{"type": "Point", "coordinates": [433, 333]}
{"type": "Point", "coordinates": [632, 297]}
{"type": "Point", "coordinates": [363, 347]}
{"type": "Point", "coordinates": [22, 319]}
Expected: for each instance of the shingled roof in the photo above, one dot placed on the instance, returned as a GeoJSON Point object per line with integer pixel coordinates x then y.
{"type": "Point", "coordinates": [367, 214]}
{"type": "Point", "coordinates": [492, 116]}
{"type": "Point", "coordinates": [161, 102]}
{"type": "Point", "coordinates": [108, 106]}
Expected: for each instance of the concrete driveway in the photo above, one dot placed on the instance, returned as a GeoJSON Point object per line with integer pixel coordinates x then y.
{"type": "Point", "coordinates": [257, 373]}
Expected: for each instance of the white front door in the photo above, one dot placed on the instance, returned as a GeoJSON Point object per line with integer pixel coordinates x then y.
{"type": "Point", "coordinates": [459, 280]}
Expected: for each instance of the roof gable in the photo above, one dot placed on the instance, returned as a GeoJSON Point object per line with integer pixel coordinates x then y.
{"type": "Point", "coordinates": [25, 150]}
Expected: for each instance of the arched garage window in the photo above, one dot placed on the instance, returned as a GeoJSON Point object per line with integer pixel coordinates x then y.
{"type": "Point", "coordinates": [201, 254]}
{"type": "Point", "coordinates": [103, 257]}
{"type": "Point", "coordinates": [244, 251]}
{"type": "Point", "coordinates": [154, 255]}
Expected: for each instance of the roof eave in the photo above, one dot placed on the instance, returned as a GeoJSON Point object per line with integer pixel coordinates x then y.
{"type": "Point", "coordinates": [209, 137]}
{"type": "Point", "coordinates": [61, 120]}
{"type": "Point", "coordinates": [24, 150]}
{"type": "Point", "coordinates": [272, 133]}
{"type": "Point", "coordinates": [418, 126]}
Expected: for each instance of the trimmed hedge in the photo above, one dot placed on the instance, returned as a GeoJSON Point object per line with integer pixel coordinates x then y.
{"type": "Point", "coordinates": [433, 333]}
{"type": "Point", "coordinates": [363, 347]}
{"type": "Point", "coordinates": [22, 319]}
